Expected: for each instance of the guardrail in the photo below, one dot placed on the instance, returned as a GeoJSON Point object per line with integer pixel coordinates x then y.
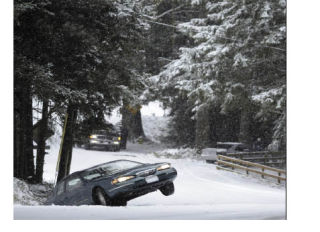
{"type": "Point", "coordinates": [275, 159]}
{"type": "Point", "coordinates": [278, 174]}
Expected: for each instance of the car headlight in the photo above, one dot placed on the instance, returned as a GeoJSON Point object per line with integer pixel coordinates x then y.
{"type": "Point", "coordinates": [116, 142]}
{"type": "Point", "coordinates": [121, 179]}
{"type": "Point", "coordinates": [92, 136]}
{"type": "Point", "coordinates": [163, 166]}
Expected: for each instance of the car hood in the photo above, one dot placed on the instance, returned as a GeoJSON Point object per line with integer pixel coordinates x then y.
{"type": "Point", "coordinates": [143, 170]}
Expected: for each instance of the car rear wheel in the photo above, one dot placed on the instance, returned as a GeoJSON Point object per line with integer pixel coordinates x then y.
{"type": "Point", "coordinates": [168, 189]}
{"type": "Point", "coordinates": [100, 198]}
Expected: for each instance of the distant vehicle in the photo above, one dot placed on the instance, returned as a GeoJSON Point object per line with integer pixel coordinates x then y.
{"type": "Point", "coordinates": [113, 183]}
{"type": "Point", "coordinates": [209, 155]}
{"type": "Point", "coordinates": [222, 148]}
{"type": "Point", "coordinates": [232, 147]}
{"type": "Point", "coordinates": [107, 140]}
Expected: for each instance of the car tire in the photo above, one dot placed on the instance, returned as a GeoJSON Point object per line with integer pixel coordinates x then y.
{"type": "Point", "coordinates": [100, 197]}
{"type": "Point", "coordinates": [168, 189]}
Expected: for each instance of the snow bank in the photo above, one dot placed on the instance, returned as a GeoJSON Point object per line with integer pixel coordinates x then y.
{"type": "Point", "coordinates": [201, 191]}
{"type": "Point", "coordinates": [29, 194]}
{"type": "Point", "coordinates": [181, 153]}
{"type": "Point", "coordinates": [147, 212]}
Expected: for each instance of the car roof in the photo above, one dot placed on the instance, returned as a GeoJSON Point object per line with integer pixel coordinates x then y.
{"type": "Point", "coordinates": [81, 171]}
{"type": "Point", "coordinates": [104, 164]}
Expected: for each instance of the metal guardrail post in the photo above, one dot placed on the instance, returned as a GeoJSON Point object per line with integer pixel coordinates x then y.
{"type": "Point", "coordinates": [279, 174]}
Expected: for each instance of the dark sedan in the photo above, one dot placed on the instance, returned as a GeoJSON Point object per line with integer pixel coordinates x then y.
{"type": "Point", "coordinates": [113, 183]}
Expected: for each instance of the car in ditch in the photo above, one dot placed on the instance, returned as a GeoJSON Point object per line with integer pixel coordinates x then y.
{"type": "Point", "coordinates": [113, 183]}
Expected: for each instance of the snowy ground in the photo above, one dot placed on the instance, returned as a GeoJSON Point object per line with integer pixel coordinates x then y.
{"type": "Point", "coordinates": [202, 191]}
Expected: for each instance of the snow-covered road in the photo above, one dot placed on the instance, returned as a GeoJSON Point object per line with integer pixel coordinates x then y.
{"type": "Point", "coordinates": [202, 192]}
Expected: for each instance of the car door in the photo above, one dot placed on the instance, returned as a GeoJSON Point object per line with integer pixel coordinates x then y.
{"type": "Point", "coordinates": [76, 193]}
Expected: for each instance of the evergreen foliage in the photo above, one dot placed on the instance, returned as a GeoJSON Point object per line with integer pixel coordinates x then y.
{"type": "Point", "coordinates": [238, 62]}
{"type": "Point", "coordinates": [219, 65]}
{"type": "Point", "coordinates": [82, 56]}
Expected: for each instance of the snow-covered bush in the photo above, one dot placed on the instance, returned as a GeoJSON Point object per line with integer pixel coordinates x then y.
{"type": "Point", "coordinates": [181, 153]}
{"type": "Point", "coordinates": [155, 127]}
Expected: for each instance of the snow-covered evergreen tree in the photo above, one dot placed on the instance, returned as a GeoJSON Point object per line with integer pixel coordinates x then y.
{"type": "Point", "coordinates": [239, 52]}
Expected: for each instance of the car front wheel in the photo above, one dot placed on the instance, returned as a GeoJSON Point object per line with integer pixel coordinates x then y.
{"type": "Point", "coordinates": [168, 189]}
{"type": "Point", "coordinates": [100, 198]}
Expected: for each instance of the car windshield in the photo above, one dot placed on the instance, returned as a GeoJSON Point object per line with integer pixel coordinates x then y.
{"type": "Point", "coordinates": [109, 132]}
{"type": "Point", "coordinates": [99, 132]}
{"type": "Point", "coordinates": [109, 169]}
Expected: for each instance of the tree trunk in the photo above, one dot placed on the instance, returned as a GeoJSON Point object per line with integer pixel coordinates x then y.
{"type": "Point", "coordinates": [131, 120]}
{"type": "Point", "coordinates": [67, 144]}
{"type": "Point", "coordinates": [23, 134]}
{"type": "Point", "coordinates": [43, 129]}
{"type": "Point", "coordinates": [245, 121]}
{"type": "Point", "coordinates": [203, 128]}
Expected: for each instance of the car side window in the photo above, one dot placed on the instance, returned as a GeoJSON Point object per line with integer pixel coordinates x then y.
{"type": "Point", "coordinates": [60, 188]}
{"type": "Point", "coordinates": [73, 183]}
